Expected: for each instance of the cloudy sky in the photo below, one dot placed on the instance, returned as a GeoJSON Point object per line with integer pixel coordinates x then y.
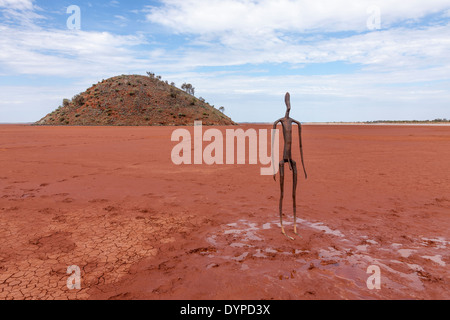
{"type": "Point", "coordinates": [341, 60]}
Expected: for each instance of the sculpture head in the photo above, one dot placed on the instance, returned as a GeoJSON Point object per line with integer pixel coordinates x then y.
{"type": "Point", "coordinates": [287, 99]}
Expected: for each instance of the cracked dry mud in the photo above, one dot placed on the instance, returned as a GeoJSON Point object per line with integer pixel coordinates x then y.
{"type": "Point", "coordinates": [35, 258]}
{"type": "Point", "coordinates": [110, 201]}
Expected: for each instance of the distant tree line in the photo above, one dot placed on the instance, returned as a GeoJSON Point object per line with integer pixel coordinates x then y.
{"type": "Point", "coordinates": [410, 121]}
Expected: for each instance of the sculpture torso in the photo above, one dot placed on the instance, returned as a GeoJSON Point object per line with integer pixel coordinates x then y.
{"type": "Point", "coordinates": [287, 134]}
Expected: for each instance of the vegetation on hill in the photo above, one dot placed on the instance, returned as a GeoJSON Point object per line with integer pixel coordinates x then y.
{"type": "Point", "coordinates": [135, 100]}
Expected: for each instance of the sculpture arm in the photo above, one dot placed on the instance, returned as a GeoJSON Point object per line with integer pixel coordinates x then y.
{"type": "Point", "coordinates": [271, 154]}
{"type": "Point", "coordinates": [301, 146]}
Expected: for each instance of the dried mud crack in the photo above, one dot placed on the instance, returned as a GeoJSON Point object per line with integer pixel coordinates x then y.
{"type": "Point", "coordinates": [34, 260]}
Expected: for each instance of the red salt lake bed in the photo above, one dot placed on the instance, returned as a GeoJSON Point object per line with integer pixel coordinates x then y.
{"type": "Point", "coordinates": [110, 200]}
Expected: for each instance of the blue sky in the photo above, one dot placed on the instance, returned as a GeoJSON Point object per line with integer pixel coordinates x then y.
{"type": "Point", "coordinates": [341, 60]}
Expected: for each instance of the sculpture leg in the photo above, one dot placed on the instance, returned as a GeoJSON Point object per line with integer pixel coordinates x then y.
{"type": "Point", "coordinates": [294, 194]}
{"type": "Point", "coordinates": [281, 197]}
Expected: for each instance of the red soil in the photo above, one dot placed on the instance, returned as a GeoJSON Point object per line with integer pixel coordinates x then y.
{"type": "Point", "coordinates": [109, 200]}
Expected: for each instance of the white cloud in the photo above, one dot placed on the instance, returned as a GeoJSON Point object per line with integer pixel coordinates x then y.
{"type": "Point", "coordinates": [386, 50]}
{"type": "Point", "coordinates": [114, 3]}
{"type": "Point", "coordinates": [20, 11]}
{"type": "Point", "coordinates": [249, 16]}
{"type": "Point", "coordinates": [17, 4]}
{"type": "Point", "coordinates": [121, 21]}
{"type": "Point", "coordinates": [61, 52]}
{"type": "Point", "coordinates": [67, 53]}
{"type": "Point", "coordinates": [236, 32]}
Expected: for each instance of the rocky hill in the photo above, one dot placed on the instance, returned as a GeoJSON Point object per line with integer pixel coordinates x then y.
{"type": "Point", "coordinates": [134, 100]}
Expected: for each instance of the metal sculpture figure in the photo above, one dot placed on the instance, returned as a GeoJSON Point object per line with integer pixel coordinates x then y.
{"type": "Point", "coordinates": [286, 122]}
